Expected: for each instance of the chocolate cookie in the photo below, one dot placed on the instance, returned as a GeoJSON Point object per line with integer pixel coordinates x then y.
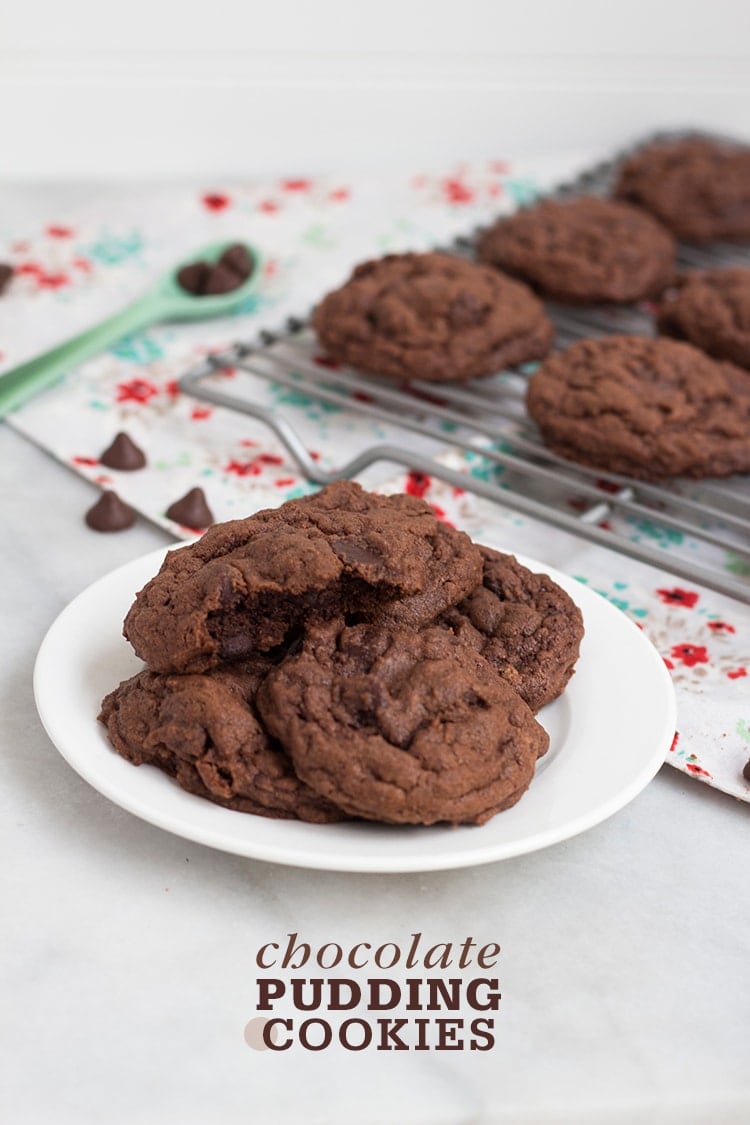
{"type": "Point", "coordinates": [712, 311]}
{"type": "Point", "coordinates": [203, 731]}
{"type": "Point", "coordinates": [401, 726]}
{"type": "Point", "coordinates": [644, 408]}
{"type": "Point", "coordinates": [583, 250]}
{"type": "Point", "coordinates": [431, 316]}
{"type": "Point", "coordinates": [524, 624]}
{"type": "Point", "coordinates": [247, 584]}
{"type": "Point", "coordinates": [699, 189]}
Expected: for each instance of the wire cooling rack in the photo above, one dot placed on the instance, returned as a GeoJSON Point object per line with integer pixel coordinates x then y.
{"type": "Point", "coordinates": [487, 419]}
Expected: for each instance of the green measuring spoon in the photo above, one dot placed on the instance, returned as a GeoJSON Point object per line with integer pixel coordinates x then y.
{"type": "Point", "coordinates": [165, 301]}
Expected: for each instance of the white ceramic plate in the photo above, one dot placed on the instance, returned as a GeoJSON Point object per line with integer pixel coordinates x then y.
{"type": "Point", "coordinates": [609, 734]}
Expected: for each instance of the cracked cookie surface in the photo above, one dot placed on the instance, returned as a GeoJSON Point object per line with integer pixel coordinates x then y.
{"type": "Point", "coordinates": [431, 316]}
{"type": "Point", "coordinates": [699, 189]}
{"type": "Point", "coordinates": [584, 250]}
{"type": "Point", "coordinates": [248, 584]}
{"type": "Point", "coordinates": [644, 408]}
{"type": "Point", "coordinates": [203, 731]}
{"type": "Point", "coordinates": [523, 624]}
{"type": "Point", "coordinates": [711, 310]}
{"type": "Point", "coordinates": [400, 726]}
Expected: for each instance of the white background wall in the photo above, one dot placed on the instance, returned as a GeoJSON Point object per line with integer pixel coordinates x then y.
{"type": "Point", "coordinates": [94, 88]}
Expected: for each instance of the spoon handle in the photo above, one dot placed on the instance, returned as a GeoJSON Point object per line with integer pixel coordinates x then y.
{"type": "Point", "coordinates": [20, 383]}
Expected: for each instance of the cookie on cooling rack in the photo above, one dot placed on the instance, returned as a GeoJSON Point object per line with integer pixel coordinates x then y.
{"type": "Point", "coordinates": [583, 251]}
{"type": "Point", "coordinates": [204, 732]}
{"type": "Point", "coordinates": [402, 726]}
{"type": "Point", "coordinates": [524, 624]}
{"type": "Point", "coordinates": [247, 585]}
{"type": "Point", "coordinates": [711, 309]}
{"type": "Point", "coordinates": [699, 188]}
{"type": "Point", "coordinates": [644, 408]}
{"type": "Point", "coordinates": [431, 316]}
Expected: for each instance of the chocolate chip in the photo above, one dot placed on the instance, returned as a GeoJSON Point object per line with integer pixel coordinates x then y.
{"type": "Point", "coordinates": [6, 273]}
{"type": "Point", "coordinates": [353, 553]}
{"type": "Point", "coordinates": [237, 259]}
{"type": "Point", "coordinates": [123, 454]}
{"type": "Point", "coordinates": [221, 279]}
{"type": "Point", "coordinates": [193, 277]}
{"type": "Point", "coordinates": [746, 770]}
{"type": "Point", "coordinates": [110, 514]}
{"type": "Point", "coordinates": [191, 510]}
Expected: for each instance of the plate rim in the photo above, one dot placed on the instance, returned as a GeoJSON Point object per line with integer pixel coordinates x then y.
{"type": "Point", "coordinates": [299, 854]}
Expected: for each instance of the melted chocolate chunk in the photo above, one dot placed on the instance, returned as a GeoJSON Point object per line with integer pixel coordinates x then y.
{"type": "Point", "coordinates": [123, 454]}
{"type": "Point", "coordinates": [110, 514]}
{"type": "Point", "coordinates": [191, 510]}
{"type": "Point", "coordinates": [746, 770]}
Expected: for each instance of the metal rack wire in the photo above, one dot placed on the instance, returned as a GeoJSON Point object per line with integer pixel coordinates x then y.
{"type": "Point", "coordinates": [487, 419]}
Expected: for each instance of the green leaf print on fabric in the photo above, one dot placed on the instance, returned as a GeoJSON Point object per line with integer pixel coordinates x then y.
{"type": "Point", "coordinates": [140, 348]}
{"type": "Point", "coordinates": [112, 249]}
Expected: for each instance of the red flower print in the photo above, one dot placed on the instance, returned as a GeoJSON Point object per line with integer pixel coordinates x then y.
{"type": "Point", "coordinates": [52, 280]}
{"type": "Point", "coordinates": [172, 388]}
{"type": "Point", "coordinates": [697, 770]}
{"type": "Point", "coordinates": [253, 467]}
{"type": "Point", "coordinates": [417, 484]}
{"type": "Point", "coordinates": [677, 596]}
{"type": "Point", "coordinates": [85, 461]}
{"type": "Point", "coordinates": [243, 468]}
{"type": "Point", "coordinates": [60, 232]}
{"type": "Point", "coordinates": [295, 185]}
{"type": "Point", "coordinates": [457, 192]}
{"type": "Point", "coordinates": [32, 268]}
{"type": "Point", "coordinates": [284, 482]}
{"type": "Point", "coordinates": [213, 201]}
{"type": "Point", "coordinates": [324, 361]}
{"type": "Point", "coordinates": [721, 627]}
{"type": "Point", "coordinates": [137, 390]}
{"type": "Point", "coordinates": [737, 673]}
{"type": "Point", "coordinates": [689, 655]}
{"type": "Point", "coordinates": [441, 515]}
{"type": "Point", "coordinates": [675, 740]}
{"type": "Point", "coordinates": [200, 413]}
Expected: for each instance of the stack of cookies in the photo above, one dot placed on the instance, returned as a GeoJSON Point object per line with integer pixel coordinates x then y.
{"type": "Point", "coordinates": [648, 408]}
{"type": "Point", "coordinates": [346, 655]}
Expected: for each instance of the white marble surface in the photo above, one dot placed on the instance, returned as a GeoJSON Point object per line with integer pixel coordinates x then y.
{"type": "Point", "coordinates": [128, 967]}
